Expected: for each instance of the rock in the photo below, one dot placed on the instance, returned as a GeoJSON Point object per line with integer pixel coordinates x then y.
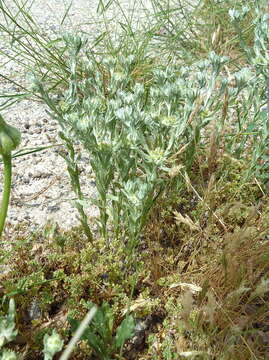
{"type": "Point", "coordinates": [53, 208]}
{"type": "Point", "coordinates": [34, 310]}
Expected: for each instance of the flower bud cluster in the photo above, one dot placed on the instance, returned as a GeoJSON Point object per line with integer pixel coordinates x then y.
{"type": "Point", "coordinates": [52, 344]}
{"type": "Point", "coordinates": [10, 137]}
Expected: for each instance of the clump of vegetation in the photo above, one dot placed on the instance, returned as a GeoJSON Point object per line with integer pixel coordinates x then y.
{"type": "Point", "coordinates": [179, 148]}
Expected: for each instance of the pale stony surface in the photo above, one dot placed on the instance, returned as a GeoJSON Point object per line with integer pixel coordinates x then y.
{"type": "Point", "coordinates": [41, 190]}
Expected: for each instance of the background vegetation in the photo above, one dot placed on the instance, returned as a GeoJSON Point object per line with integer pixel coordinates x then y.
{"type": "Point", "coordinates": [174, 116]}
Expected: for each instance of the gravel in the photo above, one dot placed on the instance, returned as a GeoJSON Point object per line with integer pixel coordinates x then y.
{"type": "Point", "coordinates": [41, 190]}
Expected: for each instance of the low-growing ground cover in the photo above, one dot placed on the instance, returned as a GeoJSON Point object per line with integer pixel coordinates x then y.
{"type": "Point", "coordinates": [178, 265]}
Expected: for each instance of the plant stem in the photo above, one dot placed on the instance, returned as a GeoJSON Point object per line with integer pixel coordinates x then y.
{"type": "Point", "coordinates": [6, 191]}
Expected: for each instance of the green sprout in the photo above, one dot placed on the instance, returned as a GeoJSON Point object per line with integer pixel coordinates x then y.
{"type": "Point", "coordinates": [10, 138]}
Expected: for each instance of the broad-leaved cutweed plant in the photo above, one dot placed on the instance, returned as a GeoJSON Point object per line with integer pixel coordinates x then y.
{"type": "Point", "coordinates": [132, 127]}
{"type": "Point", "coordinates": [129, 128]}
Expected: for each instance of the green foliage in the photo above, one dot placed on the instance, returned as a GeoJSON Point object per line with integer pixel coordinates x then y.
{"type": "Point", "coordinates": [7, 325]}
{"type": "Point", "coordinates": [10, 138]}
{"type": "Point", "coordinates": [52, 344]}
{"type": "Point", "coordinates": [8, 355]}
{"type": "Point", "coordinates": [99, 334]}
{"type": "Point", "coordinates": [132, 128]}
{"type": "Point", "coordinates": [177, 134]}
{"type": "Point", "coordinates": [189, 30]}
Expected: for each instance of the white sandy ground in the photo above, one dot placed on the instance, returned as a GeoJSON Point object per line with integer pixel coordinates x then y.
{"type": "Point", "coordinates": [41, 190]}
